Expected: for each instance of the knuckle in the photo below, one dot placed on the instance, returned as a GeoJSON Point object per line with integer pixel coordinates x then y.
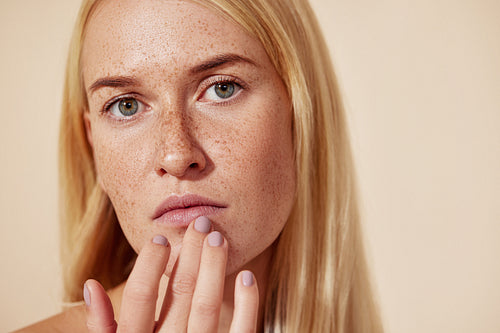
{"type": "Point", "coordinates": [215, 259]}
{"type": "Point", "coordinates": [194, 241]}
{"type": "Point", "coordinates": [140, 292]}
{"type": "Point", "coordinates": [183, 285]}
{"type": "Point", "coordinates": [150, 255]}
{"type": "Point", "coordinates": [91, 326]}
{"type": "Point", "coordinates": [206, 307]}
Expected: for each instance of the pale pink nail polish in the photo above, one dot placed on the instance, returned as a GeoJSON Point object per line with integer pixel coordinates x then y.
{"type": "Point", "coordinates": [215, 239]}
{"type": "Point", "coordinates": [247, 278]}
{"type": "Point", "coordinates": [161, 240]}
{"type": "Point", "coordinates": [86, 294]}
{"type": "Point", "coordinates": [202, 224]}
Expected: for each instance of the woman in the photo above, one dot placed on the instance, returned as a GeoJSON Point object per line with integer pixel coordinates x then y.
{"type": "Point", "coordinates": [209, 137]}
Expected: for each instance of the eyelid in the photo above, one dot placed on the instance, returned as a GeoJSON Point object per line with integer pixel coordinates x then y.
{"type": "Point", "coordinates": [107, 106]}
{"type": "Point", "coordinates": [209, 82]}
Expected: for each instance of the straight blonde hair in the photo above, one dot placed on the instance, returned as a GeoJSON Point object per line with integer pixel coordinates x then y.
{"type": "Point", "coordinates": [319, 281]}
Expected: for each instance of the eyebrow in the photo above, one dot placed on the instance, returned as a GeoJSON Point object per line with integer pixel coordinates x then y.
{"type": "Point", "coordinates": [220, 60]}
{"type": "Point", "coordinates": [113, 81]}
{"type": "Point", "coordinates": [127, 81]}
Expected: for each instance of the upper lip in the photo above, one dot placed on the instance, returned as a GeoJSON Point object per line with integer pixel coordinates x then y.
{"type": "Point", "coordinates": [184, 201]}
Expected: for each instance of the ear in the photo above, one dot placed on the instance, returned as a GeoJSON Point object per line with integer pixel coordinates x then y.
{"type": "Point", "coordinates": [88, 127]}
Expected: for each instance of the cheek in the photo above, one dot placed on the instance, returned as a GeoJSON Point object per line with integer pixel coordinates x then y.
{"type": "Point", "coordinates": [121, 163]}
{"type": "Point", "coordinates": [269, 156]}
{"type": "Point", "coordinates": [262, 172]}
{"type": "Point", "coordinates": [270, 164]}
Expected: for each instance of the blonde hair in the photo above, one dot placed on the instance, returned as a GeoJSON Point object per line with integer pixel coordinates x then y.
{"type": "Point", "coordinates": [319, 280]}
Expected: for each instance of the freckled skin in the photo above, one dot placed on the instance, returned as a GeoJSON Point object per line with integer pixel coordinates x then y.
{"type": "Point", "coordinates": [237, 152]}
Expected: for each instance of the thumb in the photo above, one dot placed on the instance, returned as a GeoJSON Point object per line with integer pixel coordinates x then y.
{"type": "Point", "coordinates": [100, 316]}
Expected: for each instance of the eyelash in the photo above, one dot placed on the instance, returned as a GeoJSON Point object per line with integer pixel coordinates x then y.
{"type": "Point", "coordinates": [111, 102]}
{"type": "Point", "coordinates": [220, 80]}
{"type": "Point", "coordinates": [209, 83]}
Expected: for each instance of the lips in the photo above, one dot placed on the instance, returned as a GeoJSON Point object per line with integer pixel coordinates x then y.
{"type": "Point", "coordinates": [181, 210]}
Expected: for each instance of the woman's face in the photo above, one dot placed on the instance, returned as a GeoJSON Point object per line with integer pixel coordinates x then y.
{"type": "Point", "coordinates": [187, 117]}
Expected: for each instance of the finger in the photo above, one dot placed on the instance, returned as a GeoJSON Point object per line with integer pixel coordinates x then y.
{"type": "Point", "coordinates": [177, 302]}
{"type": "Point", "coordinates": [100, 315]}
{"type": "Point", "coordinates": [207, 298]}
{"type": "Point", "coordinates": [246, 304]}
{"type": "Point", "coordinates": [137, 313]}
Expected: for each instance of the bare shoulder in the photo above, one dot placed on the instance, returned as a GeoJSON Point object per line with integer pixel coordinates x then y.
{"type": "Point", "coordinates": [71, 320]}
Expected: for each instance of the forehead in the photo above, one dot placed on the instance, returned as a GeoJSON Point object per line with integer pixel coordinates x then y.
{"type": "Point", "coordinates": [128, 34]}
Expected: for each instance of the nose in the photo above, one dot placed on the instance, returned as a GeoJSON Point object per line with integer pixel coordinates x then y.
{"type": "Point", "coordinates": [179, 154]}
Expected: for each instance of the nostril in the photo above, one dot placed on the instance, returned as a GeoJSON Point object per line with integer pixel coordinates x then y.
{"type": "Point", "coordinates": [177, 162]}
{"type": "Point", "coordinates": [161, 172]}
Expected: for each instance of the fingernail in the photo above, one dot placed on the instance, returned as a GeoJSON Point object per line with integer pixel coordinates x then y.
{"type": "Point", "coordinates": [161, 240]}
{"type": "Point", "coordinates": [202, 224]}
{"type": "Point", "coordinates": [247, 278]}
{"type": "Point", "coordinates": [86, 294]}
{"type": "Point", "coordinates": [215, 239]}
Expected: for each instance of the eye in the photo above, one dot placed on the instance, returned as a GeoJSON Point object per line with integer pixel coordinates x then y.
{"type": "Point", "coordinates": [221, 90]}
{"type": "Point", "coordinates": [125, 107]}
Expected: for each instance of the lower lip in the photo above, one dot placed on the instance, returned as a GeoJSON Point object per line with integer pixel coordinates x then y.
{"type": "Point", "coordinates": [182, 217]}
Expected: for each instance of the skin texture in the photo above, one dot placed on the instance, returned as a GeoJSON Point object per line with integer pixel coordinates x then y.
{"type": "Point", "coordinates": [184, 139]}
{"type": "Point", "coordinates": [237, 151]}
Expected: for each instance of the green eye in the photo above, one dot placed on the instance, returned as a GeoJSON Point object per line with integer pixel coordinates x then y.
{"type": "Point", "coordinates": [128, 106]}
{"type": "Point", "coordinates": [224, 89]}
{"type": "Point", "coordinates": [125, 107]}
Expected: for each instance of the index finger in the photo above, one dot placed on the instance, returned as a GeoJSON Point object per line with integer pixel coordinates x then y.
{"type": "Point", "coordinates": [141, 291]}
{"type": "Point", "coordinates": [177, 302]}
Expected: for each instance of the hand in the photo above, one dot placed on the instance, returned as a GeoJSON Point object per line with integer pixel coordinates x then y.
{"type": "Point", "coordinates": [194, 295]}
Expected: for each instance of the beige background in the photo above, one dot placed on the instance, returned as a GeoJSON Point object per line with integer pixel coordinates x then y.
{"type": "Point", "coordinates": [422, 87]}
